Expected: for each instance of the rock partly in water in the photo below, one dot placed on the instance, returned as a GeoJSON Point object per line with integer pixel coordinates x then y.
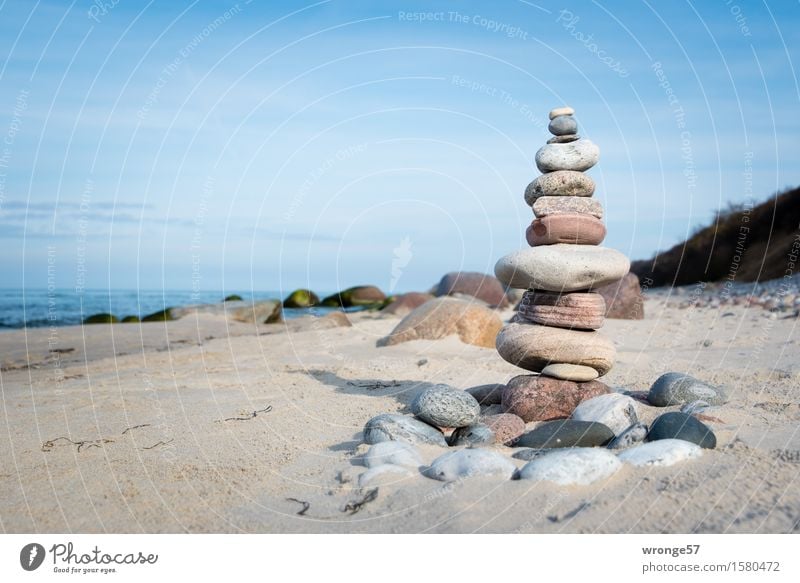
{"type": "Point", "coordinates": [404, 304]}
{"type": "Point", "coordinates": [130, 319]}
{"type": "Point", "coordinates": [677, 425]}
{"type": "Point", "coordinates": [675, 388]}
{"type": "Point", "coordinates": [233, 298]}
{"type": "Point", "coordinates": [570, 372]}
{"type": "Point", "coordinates": [467, 463]}
{"type": "Point", "coordinates": [101, 319]}
{"type": "Point", "coordinates": [624, 300]}
{"type": "Point", "coordinates": [567, 433]}
{"type": "Point", "coordinates": [506, 427]}
{"type": "Point", "coordinates": [633, 434]}
{"type": "Point", "coordinates": [477, 285]}
{"type": "Point", "coordinates": [561, 268]}
{"type": "Point", "coordinates": [579, 156]}
{"type": "Point", "coordinates": [164, 315]}
{"type": "Point", "coordinates": [584, 311]}
{"type": "Point", "coordinates": [491, 394]}
{"type": "Point", "coordinates": [573, 229]}
{"type": "Point", "coordinates": [442, 317]}
{"type": "Point", "coordinates": [398, 453]}
{"type": "Point", "coordinates": [360, 295]}
{"type": "Point", "coordinates": [476, 434]}
{"type": "Point", "coordinates": [533, 347]}
{"type": "Point", "coordinates": [664, 452]}
{"type": "Point", "coordinates": [444, 406]}
{"type": "Point", "coordinates": [578, 466]}
{"type": "Point", "coordinates": [385, 474]}
{"type": "Point", "coordinates": [301, 298]}
{"type": "Point", "coordinates": [560, 183]}
{"type": "Point", "coordinates": [540, 398]}
{"type": "Point", "coordinates": [394, 427]}
{"type": "Point", "coordinates": [616, 411]}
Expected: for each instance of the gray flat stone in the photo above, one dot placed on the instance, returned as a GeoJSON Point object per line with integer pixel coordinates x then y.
{"type": "Point", "coordinates": [578, 466]}
{"type": "Point", "coordinates": [466, 463]}
{"type": "Point", "coordinates": [395, 427]}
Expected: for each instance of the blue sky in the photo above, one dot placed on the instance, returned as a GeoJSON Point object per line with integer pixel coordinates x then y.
{"type": "Point", "coordinates": [278, 145]}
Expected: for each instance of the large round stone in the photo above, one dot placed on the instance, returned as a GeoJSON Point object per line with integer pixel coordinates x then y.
{"type": "Point", "coordinates": [539, 398]}
{"type": "Point", "coordinates": [579, 466]}
{"type": "Point", "coordinates": [570, 310]}
{"type": "Point", "coordinates": [579, 155]}
{"type": "Point", "coordinates": [682, 426]}
{"type": "Point", "coordinates": [393, 427]}
{"type": "Point", "coordinates": [444, 406]}
{"type": "Point", "coordinates": [675, 388]}
{"type": "Point", "coordinates": [566, 433]}
{"type": "Point", "coordinates": [559, 183]}
{"type": "Point", "coordinates": [561, 268]}
{"type": "Point", "coordinates": [466, 463]}
{"type": "Point", "coordinates": [533, 347]}
{"type": "Point", "coordinates": [546, 206]}
{"type": "Point", "coordinates": [574, 229]}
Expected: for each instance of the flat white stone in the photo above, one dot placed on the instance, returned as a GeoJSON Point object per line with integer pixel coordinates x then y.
{"type": "Point", "coordinates": [616, 411]}
{"type": "Point", "coordinates": [466, 463]}
{"type": "Point", "coordinates": [570, 372]}
{"type": "Point", "coordinates": [397, 453]}
{"type": "Point", "coordinates": [565, 110]}
{"type": "Point", "coordinates": [385, 474]}
{"type": "Point", "coordinates": [663, 452]}
{"type": "Point", "coordinates": [580, 465]}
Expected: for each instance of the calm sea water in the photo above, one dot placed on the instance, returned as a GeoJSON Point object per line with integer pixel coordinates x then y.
{"type": "Point", "coordinates": [38, 307]}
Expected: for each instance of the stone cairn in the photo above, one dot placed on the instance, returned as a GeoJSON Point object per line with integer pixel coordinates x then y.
{"type": "Point", "coordinates": [584, 431]}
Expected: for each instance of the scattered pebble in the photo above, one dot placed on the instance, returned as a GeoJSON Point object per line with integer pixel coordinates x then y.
{"type": "Point", "coordinates": [567, 433]}
{"type": "Point", "coordinates": [444, 406]}
{"type": "Point", "coordinates": [385, 474]}
{"type": "Point", "coordinates": [633, 434]}
{"type": "Point", "coordinates": [397, 453]}
{"type": "Point", "coordinates": [675, 388]}
{"type": "Point", "coordinates": [476, 434]}
{"type": "Point", "coordinates": [616, 411]}
{"type": "Point", "coordinates": [664, 452]}
{"type": "Point", "coordinates": [677, 425]}
{"type": "Point", "coordinates": [579, 466]}
{"type": "Point", "coordinates": [466, 463]}
{"type": "Point", "coordinates": [394, 427]}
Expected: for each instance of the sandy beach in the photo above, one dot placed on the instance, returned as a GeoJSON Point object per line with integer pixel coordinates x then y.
{"type": "Point", "coordinates": [202, 425]}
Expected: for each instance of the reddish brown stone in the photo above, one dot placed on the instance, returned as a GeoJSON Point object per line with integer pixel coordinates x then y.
{"type": "Point", "coordinates": [624, 299]}
{"type": "Point", "coordinates": [478, 285]}
{"type": "Point", "coordinates": [575, 229]}
{"type": "Point", "coordinates": [539, 398]}
{"type": "Point", "coordinates": [507, 427]}
{"type": "Point", "coordinates": [584, 311]}
{"type": "Point", "coordinates": [406, 303]}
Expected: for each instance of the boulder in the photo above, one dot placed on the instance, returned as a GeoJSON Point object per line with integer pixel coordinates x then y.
{"type": "Point", "coordinates": [404, 304]}
{"type": "Point", "coordinates": [101, 319]}
{"type": "Point", "coordinates": [474, 324]}
{"type": "Point", "coordinates": [360, 295]}
{"type": "Point", "coordinates": [478, 285]}
{"type": "Point", "coordinates": [624, 300]}
{"type": "Point", "coordinates": [301, 298]}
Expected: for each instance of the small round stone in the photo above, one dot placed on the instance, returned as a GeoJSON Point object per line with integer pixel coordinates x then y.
{"type": "Point", "coordinates": [396, 453]}
{"type": "Point", "coordinates": [665, 452]}
{"type": "Point", "coordinates": [570, 372]}
{"type": "Point", "coordinates": [616, 411]}
{"type": "Point", "coordinates": [559, 183]}
{"type": "Point", "coordinates": [567, 433]}
{"type": "Point", "coordinates": [566, 110]}
{"type": "Point", "coordinates": [633, 434]}
{"type": "Point", "coordinates": [675, 388]}
{"type": "Point", "coordinates": [677, 425]}
{"type": "Point", "coordinates": [579, 466]}
{"type": "Point", "coordinates": [444, 406]}
{"type": "Point", "coordinates": [569, 205]}
{"type": "Point", "coordinates": [570, 228]}
{"type": "Point", "coordinates": [541, 398]}
{"type": "Point", "coordinates": [563, 125]}
{"type": "Point", "coordinates": [507, 427]}
{"type": "Point", "coordinates": [467, 463]}
{"type": "Point", "coordinates": [579, 155]}
{"type": "Point", "coordinates": [564, 139]}
{"type": "Point", "coordinates": [570, 310]}
{"type": "Point", "coordinates": [475, 434]}
{"type": "Point", "coordinates": [393, 427]}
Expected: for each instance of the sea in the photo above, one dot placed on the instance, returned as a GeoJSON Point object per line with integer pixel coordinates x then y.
{"type": "Point", "coordinates": [35, 308]}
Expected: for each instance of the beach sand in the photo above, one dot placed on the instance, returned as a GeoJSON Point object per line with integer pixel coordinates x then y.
{"type": "Point", "coordinates": [163, 436]}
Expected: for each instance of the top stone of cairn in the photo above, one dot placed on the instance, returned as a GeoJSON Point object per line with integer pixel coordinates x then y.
{"type": "Point", "coordinates": [566, 110]}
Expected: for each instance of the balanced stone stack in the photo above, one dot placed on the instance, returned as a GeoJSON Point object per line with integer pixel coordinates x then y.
{"type": "Point", "coordinates": [554, 332]}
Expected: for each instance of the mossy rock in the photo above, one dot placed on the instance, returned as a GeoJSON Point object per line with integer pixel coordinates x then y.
{"type": "Point", "coordinates": [301, 298]}
{"type": "Point", "coordinates": [233, 298]}
{"type": "Point", "coordinates": [101, 319]}
{"type": "Point", "coordinates": [360, 295]}
{"type": "Point", "coordinates": [130, 319]}
{"type": "Point", "coordinates": [160, 316]}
